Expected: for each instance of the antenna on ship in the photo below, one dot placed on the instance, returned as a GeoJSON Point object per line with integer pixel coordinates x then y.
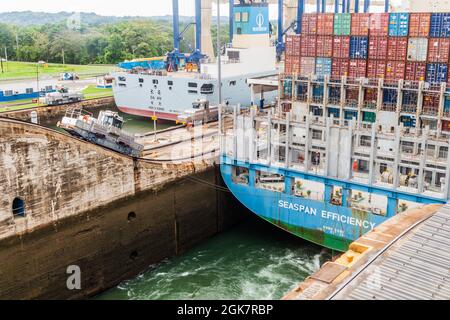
{"type": "Point", "coordinates": [219, 66]}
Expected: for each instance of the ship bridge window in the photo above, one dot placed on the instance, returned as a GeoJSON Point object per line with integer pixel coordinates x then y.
{"type": "Point", "coordinates": [155, 81]}
{"type": "Point", "coordinates": [237, 17]}
{"type": "Point", "coordinates": [29, 90]}
{"type": "Point", "coordinates": [192, 85]}
{"type": "Point", "coordinates": [48, 88]}
{"type": "Point", "coordinates": [18, 208]}
{"type": "Point", "coordinates": [141, 80]}
{"type": "Point", "coordinates": [233, 55]}
{"type": "Point", "coordinates": [122, 85]}
{"type": "Point", "coordinates": [232, 83]}
{"type": "Point", "coordinates": [8, 93]}
{"type": "Point", "coordinates": [122, 79]}
{"type": "Point", "coordinates": [170, 83]}
{"type": "Point", "coordinates": [193, 91]}
{"type": "Point", "coordinates": [207, 89]}
{"type": "Point", "coordinates": [244, 16]}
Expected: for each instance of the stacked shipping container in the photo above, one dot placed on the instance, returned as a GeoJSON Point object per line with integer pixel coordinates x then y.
{"type": "Point", "coordinates": [392, 46]}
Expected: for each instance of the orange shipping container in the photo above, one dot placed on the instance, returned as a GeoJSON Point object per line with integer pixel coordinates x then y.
{"type": "Point", "coordinates": [360, 24]}
{"type": "Point", "coordinates": [379, 24]}
{"type": "Point", "coordinates": [339, 68]}
{"type": "Point", "coordinates": [357, 68]}
{"type": "Point", "coordinates": [397, 48]}
{"type": "Point", "coordinates": [438, 50]}
{"type": "Point", "coordinates": [324, 46]}
{"type": "Point", "coordinates": [325, 24]}
{"type": "Point", "coordinates": [309, 23]}
{"type": "Point", "coordinates": [395, 70]}
{"type": "Point", "coordinates": [341, 47]}
{"type": "Point", "coordinates": [308, 46]}
{"type": "Point", "coordinates": [419, 24]}
{"type": "Point", "coordinates": [376, 69]}
{"type": "Point", "coordinates": [378, 48]}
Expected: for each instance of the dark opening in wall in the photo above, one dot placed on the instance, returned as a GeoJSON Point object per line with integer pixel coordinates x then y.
{"type": "Point", "coordinates": [131, 216]}
{"type": "Point", "coordinates": [133, 255]}
{"type": "Point", "coordinates": [18, 208]}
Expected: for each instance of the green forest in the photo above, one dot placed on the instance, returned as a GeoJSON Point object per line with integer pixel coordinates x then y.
{"type": "Point", "coordinates": [107, 42]}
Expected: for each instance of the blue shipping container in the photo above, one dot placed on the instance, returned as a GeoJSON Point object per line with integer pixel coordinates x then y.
{"type": "Point", "coordinates": [349, 115]}
{"type": "Point", "coordinates": [398, 24]}
{"type": "Point", "coordinates": [436, 72]}
{"type": "Point", "coordinates": [334, 112]}
{"type": "Point", "coordinates": [358, 47]}
{"type": "Point", "coordinates": [323, 67]}
{"type": "Point", "coordinates": [440, 25]}
{"type": "Point", "coordinates": [390, 96]}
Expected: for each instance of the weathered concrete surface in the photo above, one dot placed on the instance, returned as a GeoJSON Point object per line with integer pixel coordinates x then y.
{"type": "Point", "coordinates": [111, 215]}
{"type": "Point", "coordinates": [54, 113]}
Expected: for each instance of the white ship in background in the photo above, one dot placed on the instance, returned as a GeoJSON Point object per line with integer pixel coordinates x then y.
{"type": "Point", "coordinates": [166, 94]}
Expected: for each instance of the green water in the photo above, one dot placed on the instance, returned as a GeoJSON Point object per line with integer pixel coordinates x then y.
{"type": "Point", "coordinates": [254, 260]}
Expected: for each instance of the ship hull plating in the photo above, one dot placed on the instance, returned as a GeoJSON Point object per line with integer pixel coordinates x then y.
{"type": "Point", "coordinates": [325, 224]}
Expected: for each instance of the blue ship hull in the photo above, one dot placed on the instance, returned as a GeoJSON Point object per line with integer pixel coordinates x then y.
{"type": "Point", "coordinates": [320, 222]}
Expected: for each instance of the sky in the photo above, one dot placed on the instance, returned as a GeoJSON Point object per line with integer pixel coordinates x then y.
{"type": "Point", "coordinates": [114, 7]}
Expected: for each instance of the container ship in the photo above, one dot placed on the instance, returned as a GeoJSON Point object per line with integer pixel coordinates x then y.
{"type": "Point", "coordinates": [360, 131]}
{"type": "Point", "coordinates": [164, 89]}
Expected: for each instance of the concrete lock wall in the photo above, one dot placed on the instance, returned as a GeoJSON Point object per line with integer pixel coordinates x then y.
{"type": "Point", "coordinates": [49, 113]}
{"type": "Point", "coordinates": [86, 206]}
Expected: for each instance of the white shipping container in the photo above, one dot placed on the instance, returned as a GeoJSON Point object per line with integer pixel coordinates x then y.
{"type": "Point", "coordinates": [307, 66]}
{"type": "Point", "coordinates": [417, 49]}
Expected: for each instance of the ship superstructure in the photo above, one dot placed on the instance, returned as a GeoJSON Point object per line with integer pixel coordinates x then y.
{"type": "Point", "coordinates": [343, 150]}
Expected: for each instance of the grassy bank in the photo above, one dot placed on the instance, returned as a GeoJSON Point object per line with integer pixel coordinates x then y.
{"type": "Point", "coordinates": [23, 70]}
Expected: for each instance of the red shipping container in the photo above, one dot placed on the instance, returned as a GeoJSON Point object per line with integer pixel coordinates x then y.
{"type": "Point", "coordinates": [325, 24]}
{"type": "Point", "coordinates": [376, 69]}
{"type": "Point", "coordinates": [341, 47]}
{"type": "Point", "coordinates": [397, 49]}
{"type": "Point", "coordinates": [357, 68]}
{"type": "Point", "coordinates": [308, 46]}
{"type": "Point", "coordinates": [419, 24]}
{"type": "Point", "coordinates": [360, 24]}
{"type": "Point", "coordinates": [379, 24]}
{"type": "Point", "coordinates": [438, 50]}
{"type": "Point", "coordinates": [339, 68]}
{"type": "Point", "coordinates": [293, 45]}
{"type": "Point", "coordinates": [378, 48]}
{"type": "Point", "coordinates": [324, 46]}
{"type": "Point", "coordinates": [371, 95]}
{"type": "Point", "coordinates": [309, 23]}
{"type": "Point", "coordinates": [288, 64]}
{"type": "Point", "coordinates": [415, 71]}
{"type": "Point", "coordinates": [395, 70]}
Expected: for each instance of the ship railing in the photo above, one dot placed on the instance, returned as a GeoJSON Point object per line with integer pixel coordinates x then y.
{"type": "Point", "coordinates": [351, 103]}
{"type": "Point", "coordinates": [392, 107]}
{"type": "Point", "coordinates": [302, 97]}
{"type": "Point", "coordinates": [317, 99]}
{"type": "Point", "coordinates": [430, 111]}
{"type": "Point", "coordinates": [411, 84]}
{"type": "Point", "coordinates": [369, 105]}
{"type": "Point", "coordinates": [409, 108]}
{"type": "Point", "coordinates": [77, 112]}
{"type": "Point", "coordinates": [334, 101]}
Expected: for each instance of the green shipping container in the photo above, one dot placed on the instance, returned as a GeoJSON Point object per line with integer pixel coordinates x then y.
{"type": "Point", "coordinates": [342, 24]}
{"type": "Point", "coordinates": [369, 117]}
